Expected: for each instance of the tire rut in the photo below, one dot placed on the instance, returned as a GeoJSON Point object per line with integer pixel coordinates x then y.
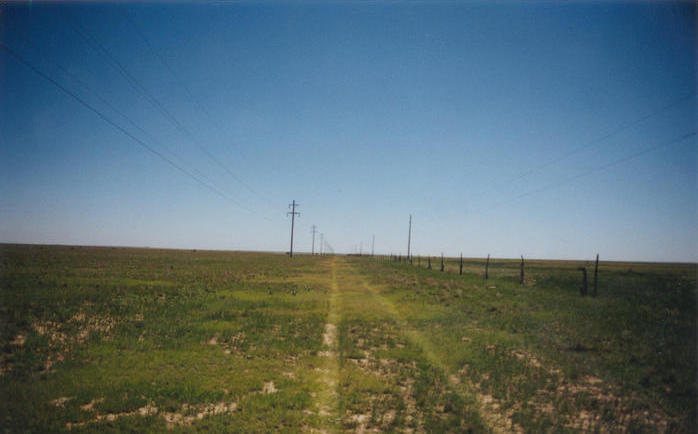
{"type": "Point", "coordinates": [327, 401]}
{"type": "Point", "coordinates": [496, 420]}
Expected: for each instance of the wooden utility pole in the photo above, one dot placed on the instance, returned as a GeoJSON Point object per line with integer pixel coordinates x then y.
{"type": "Point", "coordinates": [293, 213]}
{"type": "Point", "coordinates": [409, 237]}
{"type": "Point", "coordinates": [596, 275]}
{"type": "Point", "coordinates": [313, 231]}
{"type": "Point", "coordinates": [487, 266]}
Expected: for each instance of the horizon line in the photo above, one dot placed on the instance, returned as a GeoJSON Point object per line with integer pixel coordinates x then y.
{"type": "Point", "coordinates": [282, 252]}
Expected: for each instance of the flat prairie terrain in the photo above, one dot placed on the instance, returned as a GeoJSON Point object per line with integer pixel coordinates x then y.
{"type": "Point", "coordinates": [122, 339]}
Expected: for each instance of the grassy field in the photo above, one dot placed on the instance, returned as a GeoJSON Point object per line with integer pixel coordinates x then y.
{"type": "Point", "coordinates": [116, 339]}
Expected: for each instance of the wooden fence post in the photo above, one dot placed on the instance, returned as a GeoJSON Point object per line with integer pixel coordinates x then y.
{"type": "Point", "coordinates": [521, 282]}
{"type": "Point", "coordinates": [596, 275]}
{"type": "Point", "coordinates": [461, 264]}
{"type": "Point", "coordinates": [487, 266]}
{"type": "Point", "coordinates": [442, 261]}
{"type": "Point", "coordinates": [583, 289]}
{"type": "Point", "coordinates": [429, 265]}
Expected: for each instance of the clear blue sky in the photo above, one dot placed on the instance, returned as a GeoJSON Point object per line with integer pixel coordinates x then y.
{"type": "Point", "coordinates": [535, 128]}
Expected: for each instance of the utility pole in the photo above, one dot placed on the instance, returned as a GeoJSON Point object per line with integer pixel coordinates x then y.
{"type": "Point", "coordinates": [293, 213]}
{"type": "Point", "coordinates": [596, 276]}
{"type": "Point", "coordinates": [487, 266]}
{"type": "Point", "coordinates": [373, 243]}
{"type": "Point", "coordinates": [409, 238]}
{"type": "Point", "coordinates": [313, 231]}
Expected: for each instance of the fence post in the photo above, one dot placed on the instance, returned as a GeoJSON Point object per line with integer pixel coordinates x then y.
{"type": "Point", "coordinates": [596, 275]}
{"type": "Point", "coordinates": [487, 266]}
{"type": "Point", "coordinates": [429, 265]}
{"type": "Point", "coordinates": [419, 261]}
{"type": "Point", "coordinates": [442, 261]}
{"type": "Point", "coordinates": [521, 282]}
{"type": "Point", "coordinates": [461, 264]}
{"type": "Point", "coordinates": [583, 289]}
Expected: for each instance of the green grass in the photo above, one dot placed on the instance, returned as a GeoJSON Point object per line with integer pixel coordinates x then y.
{"type": "Point", "coordinates": [551, 358]}
{"type": "Point", "coordinates": [117, 339]}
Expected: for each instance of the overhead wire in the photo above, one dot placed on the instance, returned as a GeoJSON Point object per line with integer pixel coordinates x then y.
{"type": "Point", "coordinates": [95, 44]}
{"type": "Point", "coordinates": [588, 145]}
{"type": "Point", "coordinates": [190, 95]}
{"type": "Point", "coordinates": [620, 160]}
{"type": "Point", "coordinates": [104, 101]}
{"type": "Point", "coordinates": [595, 142]}
{"type": "Point", "coordinates": [108, 120]}
{"type": "Point", "coordinates": [615, 162]}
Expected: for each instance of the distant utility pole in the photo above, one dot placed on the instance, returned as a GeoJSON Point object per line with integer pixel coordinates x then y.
{"type": "Point", "coordinates": [293, 213]}
{"type": "Point", "coordinates": [596, 275]}
{"type": "Point", "coordinates": [409, 238]}
{"type": "Point", "coordinates": [313, 231]}
{"type": "Point", "coordinates": [373, 243]}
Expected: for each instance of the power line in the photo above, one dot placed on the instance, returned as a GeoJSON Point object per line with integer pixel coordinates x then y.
{"type": "Point", "coordinates": [595, 142]}
{"type": "Point", "coordinates": [193, 99]}
{"type": "Point", "coordinates": [117, 126]}
{"type": "Point", "coordinates": [203, 179]}
{"type": "Point", "coordinates": [557, 184]}
{"type": "Point", "coordinates": [167, 66]}
{"type": "Point", "coordinates": [600, 168]}
{"type": "Point", "coordinates": [96, 45]}
{"type": "Point", "coordinates": [104, 101]}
